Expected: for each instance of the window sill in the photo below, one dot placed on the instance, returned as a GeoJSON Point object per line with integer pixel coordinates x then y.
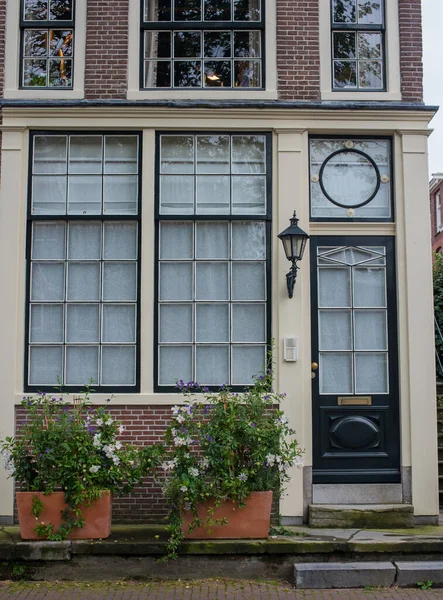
{"type": "Point", "coordinates": [200, 94]}
{"type": "Point", "coordinates": [44, 94]}
{"type": "Point", "coordinates": [361, 96]}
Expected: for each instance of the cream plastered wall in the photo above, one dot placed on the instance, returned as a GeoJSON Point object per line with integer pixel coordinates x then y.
{"type": "Point", "coordinates": [270, 58]}
{"type": "Point", "coordinates": [289, 317]}
{"type": "Point", "coordinates": [392, 54]}
{"type": "Point", "coordinates": [12, 57]}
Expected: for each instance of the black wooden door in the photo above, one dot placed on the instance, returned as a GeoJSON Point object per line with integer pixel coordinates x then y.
{"type": "Point", "coordinates": [356, 437]}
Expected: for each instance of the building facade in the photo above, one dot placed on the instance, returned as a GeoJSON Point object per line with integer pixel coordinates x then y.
{"type": "Point", "coordinates": [152, 150]}
{"type": "Point", "coordinates": [435, 202]}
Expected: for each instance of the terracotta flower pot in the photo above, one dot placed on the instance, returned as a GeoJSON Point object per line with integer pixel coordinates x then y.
{"type": "Point", "coordinates": [97, 516]}
{"type": "Point", "coordinates": [249, 522]}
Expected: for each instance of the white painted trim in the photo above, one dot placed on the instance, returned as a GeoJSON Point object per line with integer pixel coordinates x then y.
{"type": "Point", "coordinates": [12, 57]}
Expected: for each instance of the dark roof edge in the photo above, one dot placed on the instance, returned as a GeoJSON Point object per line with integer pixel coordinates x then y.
{"type": "Point", "coordinates": [218, 104]}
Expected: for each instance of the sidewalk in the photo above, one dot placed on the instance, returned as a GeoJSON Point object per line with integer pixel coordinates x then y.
{"type": "Point", "coordinates": [199, 590]}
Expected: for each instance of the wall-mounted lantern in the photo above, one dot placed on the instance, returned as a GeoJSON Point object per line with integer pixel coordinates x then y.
{"type": "Point", "coordinates": [294, 242]}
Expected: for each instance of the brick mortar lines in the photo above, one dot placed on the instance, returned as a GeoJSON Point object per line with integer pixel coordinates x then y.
{"type": "Point", "coordinates": [411, 49]}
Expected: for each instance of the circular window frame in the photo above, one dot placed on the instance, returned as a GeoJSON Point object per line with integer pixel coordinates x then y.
{"type": "Point", "coordinates": [350, 151]}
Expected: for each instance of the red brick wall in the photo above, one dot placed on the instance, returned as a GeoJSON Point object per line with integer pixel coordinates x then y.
{"type": "Point", "coordinates": [411, 49]}
{"type": "Point", "coordinates": [107, 49]}
{"type": "Point", "coordinates": [298, 55]}
{"type": "Point", "coordinates": [437, 238]}
{"type": "Point", "coordinates": [143, 425]}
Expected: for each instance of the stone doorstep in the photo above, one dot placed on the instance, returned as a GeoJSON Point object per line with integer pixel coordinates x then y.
{"type": "Point", "coordinates": [362, 516]}
{"type": "Point", "coordinates": [358, 575]}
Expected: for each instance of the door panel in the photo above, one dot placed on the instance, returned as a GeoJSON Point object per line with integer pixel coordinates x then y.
{"type": "Point", "coordinates": [354, 341]}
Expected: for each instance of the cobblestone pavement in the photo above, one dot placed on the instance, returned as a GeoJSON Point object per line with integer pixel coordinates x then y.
{"type": "Point", "coordinates": [199, 590]}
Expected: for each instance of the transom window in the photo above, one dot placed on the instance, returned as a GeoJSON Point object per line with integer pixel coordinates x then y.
{"type": "Point", "coordinates": [83, 261]}
{"type": "Point", "coordinates": [213, 271]}
{"type": "Point", "coordinates": [202, 43]}
{"type": "Point", "coordinates": [350, 178]}
{"type": "Point", "coordinates": [358, 44]}
{"type": "Point", "coordinates": [47, 44]}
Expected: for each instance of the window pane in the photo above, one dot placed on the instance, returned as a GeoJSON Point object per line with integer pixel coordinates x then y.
{"type": "Point", "coordinates": [84, 240]}
{"type": "Point", "coordinates": [118, 365]}
{"type": "Point", "coordinates": [187, 44]}
{"type": "Point", "coordinates": [46, 323]}
{"type": "Point", "coordinates": [177, 154]}
{"type": "Point", "coordinates": [81, 365]}
{"type": "Point", "coordinates": [176, 240]}
{"type": "Point", "coordinates": [212, 281]}
{"type": "Point", "coordinates": [370, 12]}
{"type": "Point", "coordinates": [85, 154]}
{"type": "Point", "coordinates": [34, 73]}
{"type": "Point", "coordinates": [48, 282]}
{"type": "Point", "coordinates": [120, 241]}
{"type": "Point", "coordinates": [217, 44]}
{"type": "Point", "coordinates": [212, 365]}
{"type": "Point", "coordinates": [247, 73]}
{"type": "Point", "coordinates": [60, 44]}
{"type": "Point", "coordinates": [345, 74]}
{"type": "Point", "coordinates": [120, 194]}
{"type": "Point", "coordinates": [187, 10]}
{"type": "Point", "coordinates": [335, 330]}
{"type": "Point", "coordinates": [217, 10]}
{"type": "Point", "coordinates": [118, 323]}
{"type": "Point", "coordinates": [344, 45]}
{"type": "Point", "coordinates": [176, 324]}
{"type": "Point", "coordinates": [213, 194]}
{"type": "Point", "coordinates": [349, 178]}
{"type": "Point", "coordinates": [121, 154]}
{"type": "Point", "coordinates": [248, 240]}
{"type": "Point", "coordinates": [84, 281]}
{"type": "Point", "coordinates": [334, 287]}
{"type": "Point", "coordinates": [213, 152]}
{"type": "Point", "coordinates": [48, 195]}
{"type": "Point", "coordinates": [187, 73]}
{"type": "Point", "coordinates": [82, 323]}
{"type": "Point", "coordinates": [158, 44]}
{"type": "Point", "coordinates": [370, 74]}
{"type": "Point", "coordinates": [212, 240]}
{"type": "Point", "coordinates": [157, 74]}
{"type": "Point", "coordinates": [336, 373]}
{"type": "Point", "coordinates": [248, 154]}
{"type": "Point", "coordinates": [50, 154]}
{"type": "Point", "coordinates": [369, 45]}
{"type": "Point", "coordinates": [217, 73]}
{"type": "Point", "coordinates": [35, 42]}
{"type": "Point", "coordinates": [60, 10]}
{"type": "Point", "coordinates": [120, 281]}
{"type": "Point", "coordinates": [176, 195]}
{"type": "Point", "coordinates": [247, 44]}
{"type": "Point", "coordinates": [249, 195]}
{"type": "Point", "coordinates": [371, 373]}
{"type": "Point", "coordinates": [247, 361]}
{"type": "Point", "coordinates": [48, 241]}
{"type": "Point", "coordinates": [369, 287]}
{"type": "Point", "coordinates": [60, 73]}
{"type": "Point", "coordinates": [85, 195]}
{"type": "Point", "coordinates": [176, 281]}
{"type": "Point", "coordinates": [212, 323]}
{"type": "Point", "coordinates": [175, 364]}
{"type": "Point", "coordinates": [344, 11]}
{"type": "Point", "coordinates": [246, 10]}
{"type": "Point", "coordinates": [248, 281]}
{"type": "Point", "coordinates": [36, 10]}
{"type": "Point", "coordinates": [370, 330]}
{"type": "Point", "coordinates": [45, 365]}
{"type": "Point", "coordinates": [157, 10]}
{"type": "Point", "coordinates": [248, 323]}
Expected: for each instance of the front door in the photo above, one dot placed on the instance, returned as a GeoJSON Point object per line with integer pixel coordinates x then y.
{"type": "Point", "coordinates": [356, 435]}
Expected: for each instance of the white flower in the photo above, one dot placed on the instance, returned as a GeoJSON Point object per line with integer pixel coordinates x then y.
{"type": "Point", "coordinates": [169, 465]}
{"type": "Point", "coordinates": [179, 418]}
{"type": "Point", "coordinates": [109, 421]}
{"type": "Point", "coordinates": [94, 469]}
{"type": "Point", "coordinates": [298, 461]}
{"type": "Point", "coordinates": [108, 449]}
{"type": "Point", "coordinates": [179, 441]}
{"type": "Point", "coordinates": [118, 445]}
{"type": "Point", "coordinates": [99, 422]}
{"type": "Point", "coordinates": [204, 463]}
{"type": "Point", "coordinates": [175, 410]}
{"type": "Point", "coordinates": [193, 471]}
{"type": "Point", "coordinates": [243, 477]}
{"type": "Point", "coordinates": [282, 420]}
{"type": "Point", "coordinates": [116, 460]}
{"type": "Point", "coordinates": [183, 488]}
{"type": "Point", "coordinates": [121, 429]}
{"type": "Point", "coordinates": [270, 460]}
{"type": "Point", "coordinates": [187, 455]}
{"type": "Point", "coordinates": [97, 441]}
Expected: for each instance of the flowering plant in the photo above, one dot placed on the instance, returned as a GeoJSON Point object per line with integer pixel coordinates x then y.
{"type": "Point", "coordinates": [75, 449]}
{"type": "Point", "coordinates": [223, 446]}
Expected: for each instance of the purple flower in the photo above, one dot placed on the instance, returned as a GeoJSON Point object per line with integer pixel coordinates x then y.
{"type": "Point", "coordinates": [195, 442]}
{"type": "Point", "coordinates": [205, 389]}
{"type": "Point", "coordinates": [253, 424]}
{"type": "Point", "coordinates": [210, 439]}
{"type": "Point", "coordinates": [47, 450]}
{"type": "Point", "coordinates": [108, 399]}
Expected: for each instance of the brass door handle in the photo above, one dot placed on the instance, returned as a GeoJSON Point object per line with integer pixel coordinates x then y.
{"type": "Point", "coordinates": [314, 366]}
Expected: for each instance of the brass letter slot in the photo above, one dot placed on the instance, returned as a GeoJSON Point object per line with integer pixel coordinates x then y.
{"type": "Point", "coordinates": [354, 401]}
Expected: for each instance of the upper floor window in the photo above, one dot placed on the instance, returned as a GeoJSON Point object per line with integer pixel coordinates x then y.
{"type": "Point", "coordinates": [358, 32]}
{"type": "Point", "coordinates": [202, 44]}
{"type": "Point", "coordinates": [350, 178]}
{"type": "Point", "coordinates": [438, 223]}
{"type": "Point", "coordinates": [47, 43]}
